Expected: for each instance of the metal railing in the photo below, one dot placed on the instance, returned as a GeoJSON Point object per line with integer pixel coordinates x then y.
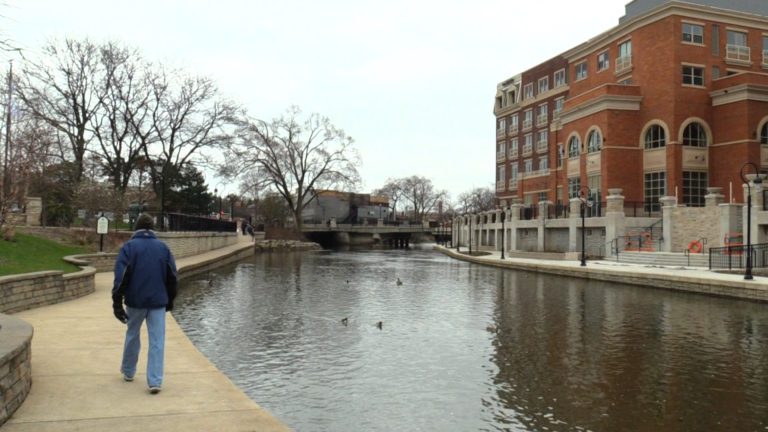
{"type": "Point", "coordinates": [642, 209]}
{"type": "Point", "coordinates": [734, 257]}
{"type": "Point", "coordinates": [738, 53]}
{"type": "Point", "coordinates": [182, 222]}
{"type": "Point", "coordinates": [623, 63]}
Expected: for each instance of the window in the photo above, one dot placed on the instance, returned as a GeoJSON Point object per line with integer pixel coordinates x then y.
{"type": "Point", "coordinates": [581, 71]}
{"type": "Point", "coordinates": [693, 75]}
{"type": "Point", "coordinates": [513, 148]}
{"type": "Point", "coordinates": [603, 62]}
{"type": "Point", "coordinates": [593, 183]}
{"type": "Point", "coordinates": [694, 188]}
{"type": "Point", "coordinates": [500, 148]}
{"type": "Point", "coordinates": [528, 146]}
{"type": "Point", "coordinates": [559, 102]}
{"type": "Point", "coordinates": [655, 137]}
{"type": "Point", "coordinates": [764, 134]}
{"type": "Point", "coordinates": [500, 173]}
{"type": "Point", "coordinates": [513, 123]}
{"type": "Point", "coordinates": [693, 33]}
{"type": "Point", "coordinates": [527, 119]}
{"type": "Point", "coordinates": [624, 59]}
{"type": "Point", "coordinates": [543, 163]}
{"type": "Point", "coordinates": [654, 188]}
{"type": "Point", "coordinates": [513, 172]}
{"type": "Point", "coordinates": [594, 142]}
{"type": "Point", "coordinates": [736, 48]}
{"type": "Point", "coordinates": [694, 135]}
{"type": "Point", "coordinates": [765, 51]}
{"type": "Point", "coordinates": [574, 185]}
{"type": "Point", "coordinates": [542, 196]}
{"type": "Point", "coordinates": [573, 147]}
{"type": "Point", "coordinates": [502, 124]}
{"type": "Point", "coordinates": [541, 143]}
{"type": "Point", "coordinates": [528, 91]}
{"type": "Point", "coordinates": [528, 165]}
{"type": "Point", "coordinates": [543, 85]}
{"type": "Point", "coordinates": [560, 78]}
{"type": "Point", "coordinates": [541, 115]}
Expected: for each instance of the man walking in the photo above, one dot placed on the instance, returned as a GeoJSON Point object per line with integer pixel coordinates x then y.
{"type": "Point", "coordinates": [145, 279]}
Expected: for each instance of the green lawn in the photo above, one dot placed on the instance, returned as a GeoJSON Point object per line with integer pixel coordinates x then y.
{"type": "Point", "coordinates": [29, 254]}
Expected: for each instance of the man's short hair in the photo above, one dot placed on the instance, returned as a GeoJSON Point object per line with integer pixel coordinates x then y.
{"type": "Point", "coordinates": [145, 221]}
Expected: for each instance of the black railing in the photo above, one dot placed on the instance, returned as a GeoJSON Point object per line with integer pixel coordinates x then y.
{"type": "Point", "coordinates": [182, 222]}
{"type": "Point", "coordinates": [529, 213]}
{"type": "Point", "coordinates": [558, 211]}
{"type": "Point", "coordinates": [735, 257]}
{"type": "Point", "coordinates": [642, 209]}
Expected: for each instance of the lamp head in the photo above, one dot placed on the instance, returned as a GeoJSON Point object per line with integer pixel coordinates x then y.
{"type": "Point", "coordinates": [758, 179]}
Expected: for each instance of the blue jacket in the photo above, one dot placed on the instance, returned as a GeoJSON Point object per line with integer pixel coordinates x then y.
{"type": "Point", "coordinates": [145, 272]}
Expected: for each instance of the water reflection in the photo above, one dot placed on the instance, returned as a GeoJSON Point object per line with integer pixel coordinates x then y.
{"type": "Point", "coordinates": [465, 347]}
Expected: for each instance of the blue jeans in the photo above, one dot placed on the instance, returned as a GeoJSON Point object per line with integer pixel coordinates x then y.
{"type": "Point", "coordinates": [156, 332]}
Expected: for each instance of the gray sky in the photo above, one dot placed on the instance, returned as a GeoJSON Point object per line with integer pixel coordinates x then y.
{"type": "Point", "coordinates": [411, 81]}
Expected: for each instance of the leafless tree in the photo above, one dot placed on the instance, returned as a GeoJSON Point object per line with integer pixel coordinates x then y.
{"type": "Point", "coordinates": [421, 193]}
{"type": "Point", "coordinates": [295, 157]}
{"type": "Point", "coordinates": [392, 189]}
{"type": "Point", "coordinates": [65, 89]}
{"type": "Point", "coordinates": [477, 200]}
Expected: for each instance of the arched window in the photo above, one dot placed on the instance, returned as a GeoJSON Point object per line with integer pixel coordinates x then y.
{"type": "Point", "coordinates": [695, 135]}
{"type": "Point", "coordinates": [594, 142]}
{"type": "Point", "coordinates": [655, 137]}
{"type": "Point", "coordinates": [573, 146]}
{"type": "Point", "coordinates": [764, 134]}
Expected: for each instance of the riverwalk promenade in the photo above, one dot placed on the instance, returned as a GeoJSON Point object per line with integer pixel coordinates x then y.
{"type": "Point", "coordinates": [687, 279]}
{"type": "Point", "coordinates": [77, 386]}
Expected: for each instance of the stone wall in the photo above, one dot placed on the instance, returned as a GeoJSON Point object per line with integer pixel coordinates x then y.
{"type": "Point", "coordinates": [184, 244]}
{"type": "Point", "coordinates": [528, 240]}
{"type": "Point", "coordinates": [694, 223]}
{"type": "Point", "coordinates": [31, 290]}
{"type": "Point", "coordinates": [556, 240]}
{"type": "Point", "coordinates": [15, 367]}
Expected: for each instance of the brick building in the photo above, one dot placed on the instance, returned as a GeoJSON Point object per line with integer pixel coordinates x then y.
{"type": "Point", "coordinates": [672, 100]}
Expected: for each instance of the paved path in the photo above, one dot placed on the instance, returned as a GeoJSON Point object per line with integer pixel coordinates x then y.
{"type": "Point", "coordinates": [77, 386]}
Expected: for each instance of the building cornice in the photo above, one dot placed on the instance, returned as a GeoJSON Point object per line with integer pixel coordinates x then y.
{"type": "Point", "coordinates": [601, 103]}
{"type": "Point", "coordinates": [740, 93]}
{"type": "Point", "coordinates": [668, 9]}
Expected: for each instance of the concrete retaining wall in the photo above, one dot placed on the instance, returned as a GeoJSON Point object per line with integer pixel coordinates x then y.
{"type": "Point", "coordinates": [31, 290]}
{"type": "Point", "coordinates": [15, 367]}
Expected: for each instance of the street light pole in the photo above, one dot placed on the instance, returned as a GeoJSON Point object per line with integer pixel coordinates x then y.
{"type": "Point", "coordinates": [503, 232]}
{"type": "Point", "coordinates": [758, 180]}
{"type": "Point", "coordinates": [585, 201]}
{"type": "Point", "coordinates": [470, 234]}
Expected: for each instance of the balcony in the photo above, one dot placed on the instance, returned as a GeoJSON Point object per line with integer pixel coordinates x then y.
{"type": "Point", "coordinates": [623, 64]}
{"type": "Point", "coordinates": [500, 133]}
{"type": "Point", "coordinates": [513, 128]}
{"type": "Point", "coordinates": [737, 54]}
{"type": "Point", "coordinates": [500, 156]}
{"type": "Point", "coordinates": [541, 147]}
{"type": "Point", "coordinates": [539, 173]}
{"type": "Point", "coordinates": [527, 124]}
{"type": "Point", "coordinates": [513, 153]}
{"type": "Point", "coordinates": [513, 184]}
{"type": "Point", "coordinates": [500, 185]}
{"type": "Point", "coordinates": [527, 150]}
{"type": "Point", "coordinates": [541, 120]}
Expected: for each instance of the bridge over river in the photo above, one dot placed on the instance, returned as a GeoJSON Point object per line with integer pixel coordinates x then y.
{"type": "Point", "coordinates": [392, 235]}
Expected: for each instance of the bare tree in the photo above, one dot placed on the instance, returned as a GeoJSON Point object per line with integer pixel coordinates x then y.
{"type": "Point", "coordinates": [65, 90]}
{"type": "Point", "coordinates": [422, 195]}
{"type": "Point", "coordinates": [477, 200]}
{"type": "Point", "coordinates": [295, 157]}
{"type": "Point", "coordinates": [392, 189]}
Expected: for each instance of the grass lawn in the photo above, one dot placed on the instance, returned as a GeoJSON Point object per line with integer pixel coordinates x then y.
{"type": "Point", "coordinates": [30, 254]}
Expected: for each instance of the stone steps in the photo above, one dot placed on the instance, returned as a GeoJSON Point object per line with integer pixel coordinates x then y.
{"type": "Point", "coordinates": [663, 258]}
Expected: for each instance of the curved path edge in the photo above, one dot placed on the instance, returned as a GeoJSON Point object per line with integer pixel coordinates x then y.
{"type": "Point", "coordinates": [687, 279]}
{"type": "Point", "coordinates": [77, 386]}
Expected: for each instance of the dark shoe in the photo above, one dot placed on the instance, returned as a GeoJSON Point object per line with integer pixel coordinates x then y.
{"type": "Point", "coordinates": [154, 390]}
{"type": "Point", "coordinates": [127, 378]}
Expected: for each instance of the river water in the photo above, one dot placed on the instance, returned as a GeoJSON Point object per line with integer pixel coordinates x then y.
{"type": "Point", "coordinates": [464, 347]}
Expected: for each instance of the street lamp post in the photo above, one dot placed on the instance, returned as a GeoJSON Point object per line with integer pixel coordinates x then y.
{"type": "Point", "coordinates": [470, 234]}
{"type": "Point", "coordinates": [586, 201]}
{"type": "Point", "coordinates": [758, 180]}
{"type": "Point", "coordinates": [503, 232]}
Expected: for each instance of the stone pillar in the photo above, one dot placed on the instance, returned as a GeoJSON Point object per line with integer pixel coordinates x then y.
{"type": "Point", "coordinates": [574, 225]}
{"type": "Point", "coordinates": [757, 206]}
{"type": "Point", "coordinates": [542, 231]}
{"type": "Point", "coordinates": [714, 196]}
{"type": "Point", "coordinates": [380, 222]}
{"type": "Point", "coordinates": [615, 219]}
{"type": "Point", "coordinates": [34, 211]}
{"type": "Point", "coordinates": [668, 205]}
{"type": "Point", "coordinates": [729, 222]}
{"type": "Point", "coordinates": [514, 222]}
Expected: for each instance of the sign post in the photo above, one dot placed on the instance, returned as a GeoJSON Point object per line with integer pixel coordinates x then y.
{"type": "Point", "coordinates": [102, 227]}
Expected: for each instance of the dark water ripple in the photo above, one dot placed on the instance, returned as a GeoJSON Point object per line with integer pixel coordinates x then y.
{"type": "Point", "coordinates": [466, 348]}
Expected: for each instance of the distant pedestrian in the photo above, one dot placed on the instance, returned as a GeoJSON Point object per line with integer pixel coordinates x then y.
{"type": "Point", "coordinates": [242, 226]}
{"type": "Point", "coordinates": [249, 229]}
{"type": "Point", "coordinates": [145, 280]}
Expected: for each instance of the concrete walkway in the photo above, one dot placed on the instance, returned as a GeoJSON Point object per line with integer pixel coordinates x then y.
{"type": "Point", "coordinates": [77, 386]}
{"type": "Point", "coordinates": [689, 279]}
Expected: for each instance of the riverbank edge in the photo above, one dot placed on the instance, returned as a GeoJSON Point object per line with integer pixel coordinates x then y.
{"type": "Point", "coordinates": [698, 283]}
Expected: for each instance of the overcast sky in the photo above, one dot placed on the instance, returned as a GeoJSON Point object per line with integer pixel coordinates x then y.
{"type": "Point", "coordinates": [412, 81]}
